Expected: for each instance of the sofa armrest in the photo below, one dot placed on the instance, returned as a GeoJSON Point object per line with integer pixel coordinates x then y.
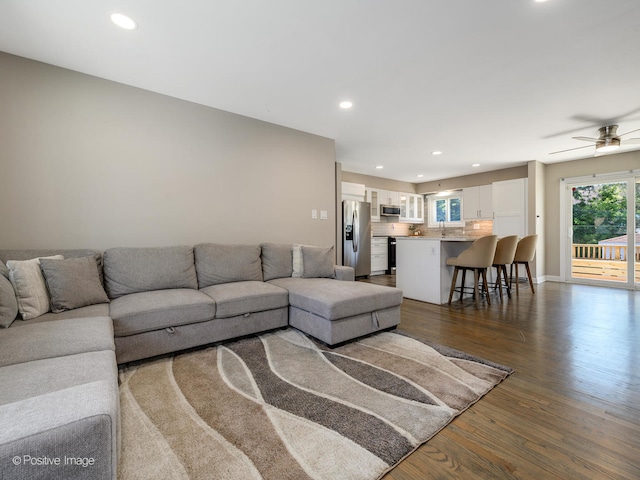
{"type": "Point", "coordinates": [70, 433]}
{"type": "Point", "coordinates": [344, 273]}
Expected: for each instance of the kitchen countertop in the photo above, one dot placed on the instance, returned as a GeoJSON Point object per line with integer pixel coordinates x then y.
{"type": "Point", "coordinates": [445, 239]}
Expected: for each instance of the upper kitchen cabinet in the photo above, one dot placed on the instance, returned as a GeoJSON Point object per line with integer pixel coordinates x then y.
{"type": "Point", "coordinates": [388, 197]}
{"type": "Point", "coordinates": [510, 207]}
{"type": "Point", "coordinates": [353, 191]}
{"type": "Point", "coordinates": [373, 197]}
{"type": "Point", "coordinates": [477, 202]}
{"type": "Point", "coordinates": [411, 208]}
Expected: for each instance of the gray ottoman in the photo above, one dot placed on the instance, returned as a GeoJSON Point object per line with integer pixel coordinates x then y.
{"type": "Point", "coordinates": [334, 311]}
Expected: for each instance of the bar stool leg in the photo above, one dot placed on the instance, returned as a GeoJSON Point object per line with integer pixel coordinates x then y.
{"type": "Point", "coordinates": [486, 285]}
{"type": "Point", "coordinates": [530, 279]}
{"type": "Point", "coordinates": [498, 284]}
{"type": "Point", "coordinates": [464, 279]}
{"type": "Point", "coordinates": [476, 290]}
{"type": "Point", "coordinates": [453, 283]}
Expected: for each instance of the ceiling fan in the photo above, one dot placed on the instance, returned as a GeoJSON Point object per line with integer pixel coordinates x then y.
{"type": "Point", "coordinates": [607, 142]}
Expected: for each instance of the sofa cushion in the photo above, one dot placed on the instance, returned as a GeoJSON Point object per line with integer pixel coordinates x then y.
{"type": "Point", "coordinates": [334, 299]}
{"type": "Point", "coordinates": [38, 377]}
{"type": "Point", "coordinates": [28, 283]}
{"type": "Point", "coordinates": [239, 298]}
{"type": "Point", "coordinates": [8, 303]}
{"type": "Point", "coordinates": [148, 311]}
{"type": "Point", "coordinates": [216, 263]}
{"type": "Point", "coordinates": [133, 270]}
{"type": "Point", "coordinates": [98, 310]}
{"type": "Point", "coordinates": [72, 283]}
{"type": "Point", "coordinates": [54, 339]}
{"type": "Point", "coordinates": [277, 260]}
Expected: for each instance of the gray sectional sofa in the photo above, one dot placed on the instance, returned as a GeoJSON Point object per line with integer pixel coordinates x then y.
{"type": "Point", "coordinates": [59, 406]}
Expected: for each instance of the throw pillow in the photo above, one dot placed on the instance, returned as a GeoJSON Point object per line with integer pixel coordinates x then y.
{"type": "Point", "coordinates": [317, 262]}
{"type": "Point", "coordinates": [298, 267]}
{"type": "Point", "coordinates": [73, 283]}
{"type": "Point", "coordinates": [4, 270]}
{"type": "Point", "coordinates": [277, 260]}
{"type": "Point", "coordinates": [28, 282]}
{"type": "Point", "coordinates": [8, 303]}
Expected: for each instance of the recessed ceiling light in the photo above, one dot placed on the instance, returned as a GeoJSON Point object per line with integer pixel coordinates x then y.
{"type": "Point", "coordinates": [346, 104]}
{"type": "Point", "coordinates": [123, 21]}
{"type": "Point", "coordinates": [420, 175]}
{"type": "Point", "coordinates": [475, 165]}
{"type": "Point", "coordinates": [437, 152]}
{"type": "Point", "coordinates": [379, 167]}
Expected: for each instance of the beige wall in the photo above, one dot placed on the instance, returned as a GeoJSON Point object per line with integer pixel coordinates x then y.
{"type": "Point", "coordinates": [379, 182]}
{"type": "Point", "coordinates": [85, 162]}
{"type": "Point", "coordinates": [475, 180]}
{"type": "Point", "coordinates": [554, 173]}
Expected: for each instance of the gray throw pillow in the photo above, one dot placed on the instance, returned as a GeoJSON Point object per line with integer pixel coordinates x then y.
{"type": "Point", "coordinates": [277, 260]}
{"type": "Point", "coordinates": [73, 283]}
{"type": "Point", "coordinates": [317, 262]}
{"type": "Point", "coordinates": [4, 270]}
{"type": "Point", "coordinates": [8, 303]}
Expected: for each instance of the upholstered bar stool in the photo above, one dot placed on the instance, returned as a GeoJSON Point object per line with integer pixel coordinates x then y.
{"type": "Point", "coordinates": [505, 253]}
{"type": "Point", "coordinates": [524, 254]}
{"type": "Point", "coordinates": [478, 257]}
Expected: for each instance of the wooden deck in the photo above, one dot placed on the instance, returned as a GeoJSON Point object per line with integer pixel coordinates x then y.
{"type": "Point", "coordinates": [602, 262]}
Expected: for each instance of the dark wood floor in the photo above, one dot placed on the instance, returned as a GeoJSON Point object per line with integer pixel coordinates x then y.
{"type": "Point", "coordinates": [571, 410]}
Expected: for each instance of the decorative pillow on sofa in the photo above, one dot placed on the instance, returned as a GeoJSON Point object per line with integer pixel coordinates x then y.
{"type": "Point", "coordinates": [313, 262]}
{"type": "Point", "coordinates": [4, 270]}
{"type": "Point", "coordinates": [277, 260]}
{"type": "Point", "coordinates": [28, 283]}
{"type": "Point", "coordinates": [73, 283]}
{"type": "Point", "coordinates": [8, 303]}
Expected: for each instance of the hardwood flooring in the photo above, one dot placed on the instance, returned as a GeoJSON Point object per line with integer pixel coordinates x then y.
{"type": "Point", "coordinates": [571, 410]}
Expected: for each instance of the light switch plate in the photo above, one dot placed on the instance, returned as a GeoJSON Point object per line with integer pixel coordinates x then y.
{"type": "Point", "coordinates": [323, 215]}
{"type": "Point", "coordinates": [314, 214]}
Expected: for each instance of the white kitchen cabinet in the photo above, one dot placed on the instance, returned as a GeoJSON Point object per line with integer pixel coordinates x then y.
{"type": "Point", "coordinates": [379, 255]}
{"type": "Point", "coordinates": [387, 197]}
{"type": "Point", "coordinates": [510, 207]}
{"type": "Point", "coordinates": [353, 191]}
{"type": "Point", "coordinates": [411, 208]}
{"type": "Point", "coordinates": [477, 202]}
{"type": "Point", "coordinates": [373, 197]}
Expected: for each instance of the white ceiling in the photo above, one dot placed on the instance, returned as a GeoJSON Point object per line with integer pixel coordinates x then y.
{"type": "Point", "coordinates": [495, 82]}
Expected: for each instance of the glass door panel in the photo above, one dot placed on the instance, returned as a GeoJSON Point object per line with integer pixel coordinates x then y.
{"type": "Point", "coordinates": [600, 233]}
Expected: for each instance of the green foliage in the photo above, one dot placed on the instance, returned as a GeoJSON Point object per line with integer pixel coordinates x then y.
{"type": "Point", "coordinates": [599, 212]}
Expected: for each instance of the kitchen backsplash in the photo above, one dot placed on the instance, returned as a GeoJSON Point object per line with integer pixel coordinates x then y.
{"type": "Point", "coordinates": [383, 229]}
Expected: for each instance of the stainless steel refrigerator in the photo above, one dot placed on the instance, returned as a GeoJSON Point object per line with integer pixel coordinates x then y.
{"type": "Point", "coordinates": [356, 236]}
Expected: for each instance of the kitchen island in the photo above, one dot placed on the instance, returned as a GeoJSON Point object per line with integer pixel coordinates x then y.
{"type": "Point", "coordinates": [421, 266]}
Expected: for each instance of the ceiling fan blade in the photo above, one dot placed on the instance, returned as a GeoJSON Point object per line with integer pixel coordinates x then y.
{"type": "Point", "coordinates": [570, 149]}
{"type": "Point", "coordinates": [586, 139]}
{"type": "Point", "coordinates": [636, 130]}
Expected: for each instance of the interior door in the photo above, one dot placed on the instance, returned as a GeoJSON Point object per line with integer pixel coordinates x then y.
{"type": "Point", "coordinates": [604, 217]}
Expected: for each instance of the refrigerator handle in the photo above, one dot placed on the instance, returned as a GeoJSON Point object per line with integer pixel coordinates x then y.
{"type": "Point", "coordinates": [356, 231]}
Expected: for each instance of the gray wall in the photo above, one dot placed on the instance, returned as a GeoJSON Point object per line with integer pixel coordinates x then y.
{"type": "Point", "coordinates": [86, 162]}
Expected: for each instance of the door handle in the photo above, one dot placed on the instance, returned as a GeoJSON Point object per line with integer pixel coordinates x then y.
{"type": "Point", "coordinates": [356, 231]}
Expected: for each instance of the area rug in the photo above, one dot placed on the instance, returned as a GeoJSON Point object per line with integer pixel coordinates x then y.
{"type": "Point", "coordinates": [281, 406]}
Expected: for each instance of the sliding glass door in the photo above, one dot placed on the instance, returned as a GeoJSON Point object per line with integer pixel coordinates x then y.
{"type": "Point", "coordinates": [604, 226]}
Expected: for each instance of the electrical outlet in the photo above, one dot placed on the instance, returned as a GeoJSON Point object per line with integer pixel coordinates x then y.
{"type": "Point", "coordinates": [323, 215]}
{"type": "Point", "coordinates": [476, 226]}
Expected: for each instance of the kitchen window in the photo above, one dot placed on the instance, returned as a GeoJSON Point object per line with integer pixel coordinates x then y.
{"type": "Point", "coordinates": [445, 208]}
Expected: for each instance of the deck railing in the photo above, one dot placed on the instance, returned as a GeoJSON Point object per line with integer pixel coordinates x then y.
{"type": "Point", "coordinates": [604, 262]}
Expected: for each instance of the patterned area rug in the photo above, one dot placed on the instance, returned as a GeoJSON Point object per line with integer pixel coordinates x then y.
{"type": "Point", "coordinates": [280, 406]}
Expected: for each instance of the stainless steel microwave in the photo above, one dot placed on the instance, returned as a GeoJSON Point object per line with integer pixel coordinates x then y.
{"type": "Point", "coordinates": [389, 211]}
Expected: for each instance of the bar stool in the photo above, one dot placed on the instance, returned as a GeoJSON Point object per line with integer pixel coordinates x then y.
{"type": "Point", "coordinates": [478, 257]}
{"type": "Point", "coordinates": [505, 253]}
{"type": "Point", "coordinates": [524, 254]}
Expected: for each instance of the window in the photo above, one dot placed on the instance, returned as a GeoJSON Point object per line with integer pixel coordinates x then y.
{"type": "Point", "coordinates": [447, 208]}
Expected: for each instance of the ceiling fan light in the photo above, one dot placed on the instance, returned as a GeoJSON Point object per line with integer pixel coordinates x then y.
{"type": "Point", "coordinates": [608, 145]}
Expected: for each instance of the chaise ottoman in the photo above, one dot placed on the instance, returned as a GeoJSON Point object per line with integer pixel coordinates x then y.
{"type": "Point", "coordinates": [335, 312]}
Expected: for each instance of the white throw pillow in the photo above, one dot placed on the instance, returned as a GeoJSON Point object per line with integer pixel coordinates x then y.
{"type": "Point", "coordinates": [31, 290]}
{"type": "Point", "coordinates": [297, 261]}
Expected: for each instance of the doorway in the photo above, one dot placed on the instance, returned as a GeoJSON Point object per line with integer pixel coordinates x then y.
{"type": "Point", "coordinates": [603, 225]}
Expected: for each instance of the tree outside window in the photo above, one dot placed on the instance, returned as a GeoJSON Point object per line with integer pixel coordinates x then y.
{"type": "Point", "coordinates": [446, 209]}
